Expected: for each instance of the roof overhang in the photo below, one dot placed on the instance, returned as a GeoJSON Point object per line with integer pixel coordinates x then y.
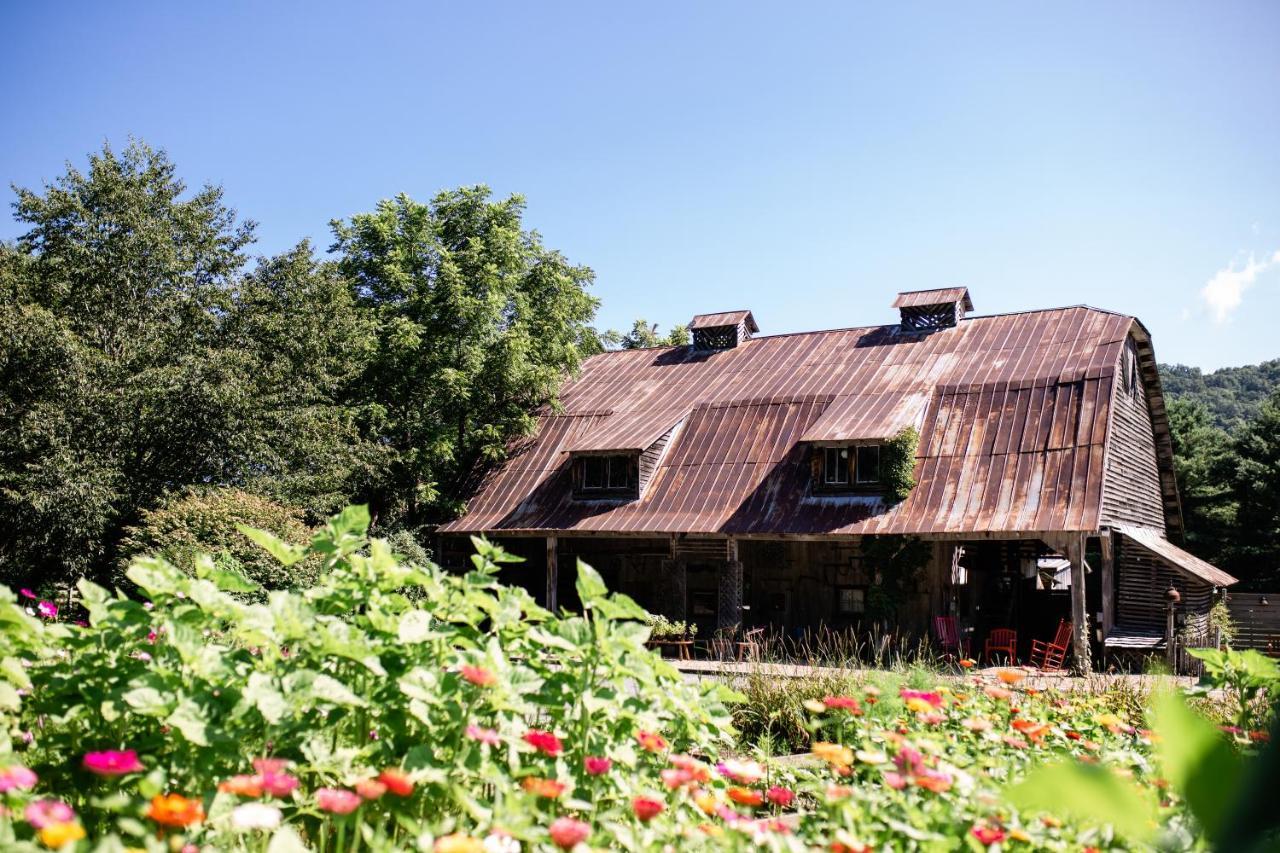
{"type": "Point", "coordinates": [1183, 561]}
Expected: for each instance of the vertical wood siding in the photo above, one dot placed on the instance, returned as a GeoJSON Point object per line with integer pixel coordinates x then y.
{"type": "Point", "coordinates": [1131, 487]}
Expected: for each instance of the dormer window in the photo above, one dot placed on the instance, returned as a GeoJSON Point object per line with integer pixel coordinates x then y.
{"type": "Point", "coordinates": [848, 468]}
{"type": "Point", "coordinates": [606, 476]}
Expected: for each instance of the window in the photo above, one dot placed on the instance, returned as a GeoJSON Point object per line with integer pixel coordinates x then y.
{"type": "Point", "coordinates": [606, 475]}
{"type": "Point", "coordinates": [851, 601]}
{"type": "Point", "coordinates": [835, 467]}
{"type": "Point", "coordinates": [868, 467]}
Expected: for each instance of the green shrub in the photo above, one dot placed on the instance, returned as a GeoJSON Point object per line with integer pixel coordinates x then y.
{"type": "Point", "coordinates": [207, 521]}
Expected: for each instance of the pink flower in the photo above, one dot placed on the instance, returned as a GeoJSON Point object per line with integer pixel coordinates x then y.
{"type": "Point", "coordinates": [988, 835]}
{"type": "Point", "coordinates": [646, 808]}
{"type": "Point", "coordinates": [41, 813]}
{"type": "Point", "coordinates": [483, 735]}
{"type": "Point", "coordinates": [895, 780]}
{"type": "Point", "coordinates": [545, 742]}
{"type": "Point", "coordinates": [742, 772]}
{"type": "Point", "coordinates": [26, 593]}
{"type": "Point", "coordinates": [113, 762]}
{"type": "Point", "coordinates": [47, 609]}
{"type": "Point", "coordinates": [596, 765]}
{"type": "Point", "coordinates": [16, 777]}
{"type": "Point", "coordinates": [478, 675]}
{"type": "Point", "coordinates": [920, 698]}
{"type": "Point", "coordinates": [567, 832]}
{"type": "Point", "coordinates": [337, 800]}
{"type": "Point", "coordinates": [780, 796]}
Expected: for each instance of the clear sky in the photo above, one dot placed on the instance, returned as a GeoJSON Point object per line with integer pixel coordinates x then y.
{"type": "Point", "coordinates": [804, 160]}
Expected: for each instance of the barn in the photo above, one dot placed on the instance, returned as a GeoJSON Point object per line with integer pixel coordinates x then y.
{"type": "Point", "coordinates": [1007, 470]}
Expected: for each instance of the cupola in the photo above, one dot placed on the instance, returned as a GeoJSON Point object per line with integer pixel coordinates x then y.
{"type": "Point", "coordinates": [722, 331]}
{"type": "Point", "coordinates": [930, 310]}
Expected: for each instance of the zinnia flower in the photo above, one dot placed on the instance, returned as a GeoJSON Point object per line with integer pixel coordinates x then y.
{"type": "Point", "coordinates": [596, 765]}
{"type": "Point", "coordinates": [745, 796]}
{"type": "Point", "coordinates": [546, 788]}
{"type": "Point", "coordinates": [833, 753]}
{"type": "Point", "coordinates": [780, 796]}
{"type": "Point", "coordinates": [483, 735]}
{"type": "Point", "coordinates": [646, 808]}
{"type": "Point", "coordinates": [337, 800]}
{"type": "Point", "coordinates": [988, 835]}
{"type": "Point", "coordinates": [17, 777]}
{"type": "Point", "coordinates": [500, 842]}
{"type": "Point", "coordinates": [458, 842]}
{"type": "Point", "coordinates": [742, 772]}
{"type": "Point", "coordinates": [47, 609]}
{"type": "Point", "coordinates": [397, 781]}
{"type": "Point", "coordinates": [968, 663]}
{"type": "Point", "coordinates": [113, 762]}
{"type": "Point", "coordinates": [651, 741]}
{"type": "Point", "coordinates": [544, 742]}
{"type": "Point", "coordinates": [243, 785]}
{"type": "Point", "coordinates": [26, 593]}
{"type": "Point", "coordinates": [56, 835]}
{"type": "Point", "coordinates": [250, 816]}
{"type": "Point", "coordinates": [41, 813]}
{"type": "Point", "coordinates": [567, 833]}
{"type": "Point", "coordinates": [478, 675]}
{"type": "Point", "coordinates": [843, 703]}
{"type": "Point", "coordinates": [1010, 676]}
{"type": "Point", "coordinates": [370, 789]}
{"type": "Point", "coordinates": [175, 810]}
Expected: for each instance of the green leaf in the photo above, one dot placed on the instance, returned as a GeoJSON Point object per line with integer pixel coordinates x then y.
{"type": "Point", "coordinates": [352, 521]}
{"type": "Point", "coordinates": [285, 553]}
{"type": "Point", "coordinates": [1197, 760]}
{"type": "Point", "coordinates": [1090, 794]}
{"type": "Point", "coordinates": [191, 720]}
{"type": "Point", "coordinates": [590, 585]}
{"type": "Point", "coordinates": [415, 627]}
{"type": "Point", "coordinates": [147, 701]}
{"type": "Point", "coordinates": [263, 694]}
{"type": "Point", "coordinates": [286, 840]}
{"type": "Point", "coordinates": [226, 580]}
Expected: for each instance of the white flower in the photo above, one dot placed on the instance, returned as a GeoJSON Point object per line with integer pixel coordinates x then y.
{"type": "Point", "coordinates": [500, 842]}
{"type": "Point", "coordinates": [255, 816]}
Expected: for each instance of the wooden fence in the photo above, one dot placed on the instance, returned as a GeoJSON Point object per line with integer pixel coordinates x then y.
{"type": "Point", "coordinates": [1257, 619]}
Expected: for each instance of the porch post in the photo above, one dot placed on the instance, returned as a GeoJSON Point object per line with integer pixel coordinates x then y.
{"type": "Point", "coordinates": [553, 573]}
{"type": "Point", "coordinates": [1108, 583]}
{"type": "Point", "coordinates": [1083, 663]}
{"type": "Point", "coordinates": [729, 611]}
{"type": "Point", "coordinates": [673, 589]}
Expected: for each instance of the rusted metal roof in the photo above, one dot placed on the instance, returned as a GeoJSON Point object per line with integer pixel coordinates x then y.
{"type": "Point", "coordinates": [725, 318]}
{"type": "Point", "coordinates": [940, 296]}
{"type": "Point", "coordinates": [1179, 559]}
{"type": "Point", "coordinates": [1013, 412]}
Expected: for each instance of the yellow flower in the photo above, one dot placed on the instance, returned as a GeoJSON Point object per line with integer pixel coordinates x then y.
{"type": "Point", "coordinates": [458, 843]}
{"type": "Point", "coordinates": [919, 706]}
{"type": "Point", "coordinates": [1019, 835]}
{"type": "Point", "coordinates": [833, 753]}
{"type": "Point", "coordinates": [55, 835]}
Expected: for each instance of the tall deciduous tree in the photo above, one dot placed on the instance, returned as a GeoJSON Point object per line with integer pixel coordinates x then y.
{"type": "Point", "coordinates": [113, 383]}
{"type": "Point", "coordinates": [1257, 488]}
{"type": "Point", "coordinates": [478, 323]}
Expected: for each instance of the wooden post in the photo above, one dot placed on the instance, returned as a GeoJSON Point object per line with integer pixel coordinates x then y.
{"type": "Point", "coordinates": [1083, 657]}
{"type": "Point", "coordinates": [553, 573]}
{"type": "Point", "coordinates": [729, 610]}
{"type": "Point", "coordinates": [1171, 600]}
{"type": "Point", "coordinates": [1108, 583]}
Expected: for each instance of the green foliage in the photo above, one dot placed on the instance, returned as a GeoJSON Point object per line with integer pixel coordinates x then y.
{"type": "Point", "coordinates": [897, 563]}
{"type": "Point", "coordinates": [1250, 679]}
{"type": "Point", "coordinates": [207, 521]}
{"type": "Point", "coordinates": [1231, 395]}
{"type": "Point", "coordinates": [644, 336]}
{"type": "Point", "coordinates": [478, 324]}
{"type": "Point", "coordinates": [898, 463]}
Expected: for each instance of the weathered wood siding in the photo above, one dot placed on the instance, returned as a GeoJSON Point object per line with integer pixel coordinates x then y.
{"type": "Point", "coordinates": [1142, 579]}
{"type": "Point", "coordinates": [1257, 621]}
{"type": "Point", "coordinates": [652, 455]}
{"type": "Point", "coordinates": [1131, 491]}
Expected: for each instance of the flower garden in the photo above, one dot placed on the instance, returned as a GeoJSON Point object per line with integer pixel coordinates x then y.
{"type": "Point", "coordinates": [396, 706]}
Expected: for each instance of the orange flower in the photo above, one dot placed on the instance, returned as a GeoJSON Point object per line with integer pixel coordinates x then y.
{"type": "Point", "coordinates": [967, 663]}
{"type": "Point", "coordinates": [539, 787]}
{"type": "Point", "coordinates": [1010, 676]}
{"type": "Point", "coordinates": [397, 781]}
{"type": "Point", "coordinates": [745, 796]}
{"type": "Point", "coordinates": [478, 675]}
{"type": "Point", "coordinates": [651, 741]}
{"type": "Point", "coordinates": [243, 785]}
{"type": "Point", "coordinates": [175, 810]}
{"type": "Point", "coordinates": [833, 753]}
{"type": "Point", "coordinates": [370, 789]}
{"type": "Point", "coordinates": [936, 782]}
{"type": "Point", "coordinates": [1030, 728]}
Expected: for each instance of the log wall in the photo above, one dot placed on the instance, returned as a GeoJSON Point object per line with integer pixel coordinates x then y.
{"type": "Point", "coordinates": [1142, 579]}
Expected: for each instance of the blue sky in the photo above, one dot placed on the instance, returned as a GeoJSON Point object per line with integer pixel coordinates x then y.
{"type": "Point", "coordinates": [804, 160]}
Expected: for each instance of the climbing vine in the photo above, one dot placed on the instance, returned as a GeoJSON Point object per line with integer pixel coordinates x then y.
{"type": "Point", "coordinates": [897, 563]}
{"type": "Point", "coordinates": [898, 463]}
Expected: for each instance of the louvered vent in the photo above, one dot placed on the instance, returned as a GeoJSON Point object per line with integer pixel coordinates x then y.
{"type": "Point", "coordinates": [722, 331]}
{"type": "Point", "coordinates": [931, 310]}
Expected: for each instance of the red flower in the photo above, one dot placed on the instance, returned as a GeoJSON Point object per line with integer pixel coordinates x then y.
{"type": "Point", "coordinates": [397, 781]}
{"type": "Point", "coordinates": [843, 703]}
{"type": "Point", "coordinates": [544, 742]}
{"type": "Point", "coordinates": [646, 808]}
{"type": "Point", "coordinates": [651, 741]}
{"type": "Point", "coordinates": [988, 835]}
{"type": "Point", "coordinates": [113, 762]}
{"type": "Point", "coordinates": [780, 796]}
{"type": "Point", "coordinates": [478, 675]}
{"type": "Point", "coordinates": [567, 832]}
{"type": "Point", "coordinates": [596, 765]}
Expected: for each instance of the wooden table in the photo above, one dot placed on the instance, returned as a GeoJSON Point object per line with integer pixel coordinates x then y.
{"type": "Point", "coordinates": [684, 648]}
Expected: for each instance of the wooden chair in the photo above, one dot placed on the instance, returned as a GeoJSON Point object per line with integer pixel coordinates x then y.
{"type": "Point", "coordinates": [1051, 655]}
{"type": "Point", "coordinates": [948, 635]}
{"type": "Point", "coordinates": [1001, 640]}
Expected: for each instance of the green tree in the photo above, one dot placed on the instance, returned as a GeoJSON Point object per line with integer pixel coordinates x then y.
{"type": "Point", "coordinates": [113, 384]}
{"type": "Point", "coordinates": [1256, 449]}
{"type": "Point", "coordinates": [1204, 467]}
{"type": "Point", "coordinates": [478, 324]}
{"type": "Point", "coordinates": [643, 335]}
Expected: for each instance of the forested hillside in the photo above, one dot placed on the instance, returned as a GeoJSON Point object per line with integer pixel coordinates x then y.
{"type": "Point", "coordinates": [1232, 395]}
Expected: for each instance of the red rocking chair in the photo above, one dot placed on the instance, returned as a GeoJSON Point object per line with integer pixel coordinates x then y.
{"type": "Point", "coordinates": [948, 635]}
{"type": "Point", "coordinates": [1002, 640]}
{"type": "Point", "coordinates": [1051, 655]}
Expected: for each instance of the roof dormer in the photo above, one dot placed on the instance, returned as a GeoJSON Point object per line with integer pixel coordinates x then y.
{"type": "Point", "coordinates": [722, 331]}
{"type": "Point", "coordinates": [930, 310]}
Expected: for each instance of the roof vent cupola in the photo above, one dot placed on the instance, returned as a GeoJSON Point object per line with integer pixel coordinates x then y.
{"type": "Point", "coordinates": [930, 310]}
{"type": "Point", "coordinates": [722, 331]}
